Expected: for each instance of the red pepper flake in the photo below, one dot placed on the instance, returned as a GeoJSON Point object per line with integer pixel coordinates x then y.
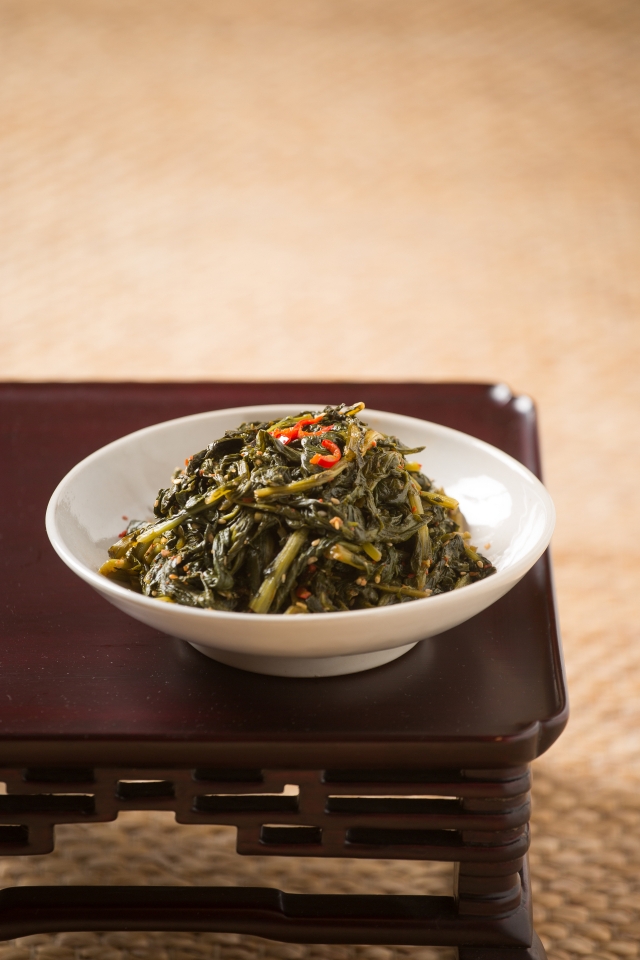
{"type": "Point", "coordinates": [303, 593]}
{"type": "Point", "coordinates": [312, 568]}
{"type": "Point", "coordinates": [123, 534]}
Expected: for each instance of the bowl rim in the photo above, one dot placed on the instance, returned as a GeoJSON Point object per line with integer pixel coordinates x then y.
{"type": "Point", "coordinates": [105, 586]}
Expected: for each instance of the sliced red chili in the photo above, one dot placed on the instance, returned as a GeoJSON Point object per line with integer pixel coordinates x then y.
{"type": "Point", "coordinates": [295, 432]}
{"type": "Point", "coordinates": [327, 461]}
{"type": "Point", "coordinates": [286, 436]}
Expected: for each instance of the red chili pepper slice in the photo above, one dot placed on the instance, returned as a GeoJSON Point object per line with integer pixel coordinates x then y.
{"type": "Point", "coordinates": [327, 461]}
{"type": "Point", "coordinates": [307, 420]}
{"type": "Point", "coordinates": [286, 436]}
{"type": "Point", "coordinates": [294, 432]}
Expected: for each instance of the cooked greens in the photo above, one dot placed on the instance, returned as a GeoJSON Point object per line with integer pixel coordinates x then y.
{"type": "Point", "coordinates": [308, 514]}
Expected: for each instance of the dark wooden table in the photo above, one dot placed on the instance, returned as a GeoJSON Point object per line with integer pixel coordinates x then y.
{"type": "Point", "coordinates": [99, 713]}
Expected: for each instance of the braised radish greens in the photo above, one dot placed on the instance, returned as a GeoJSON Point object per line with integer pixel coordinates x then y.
{"type": "Point", "coordinates": [308, 514]}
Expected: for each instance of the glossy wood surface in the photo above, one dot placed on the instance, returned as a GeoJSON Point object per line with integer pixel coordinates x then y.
{"type": "Point", "coordinates": [80, 680]}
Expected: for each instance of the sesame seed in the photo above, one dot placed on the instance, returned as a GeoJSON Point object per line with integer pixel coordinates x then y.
{"type": "Point", "coordinates": [283, 578]}
{"type": "Point", "coordinates": [314, 543]}
{"type": "Point", "coordinates": [334, 500]}
{"type": "Point", "coordinates": [312, 560]}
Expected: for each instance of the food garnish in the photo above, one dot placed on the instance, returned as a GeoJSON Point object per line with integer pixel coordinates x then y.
{"type": "Point", "coordinates": [308, 514]}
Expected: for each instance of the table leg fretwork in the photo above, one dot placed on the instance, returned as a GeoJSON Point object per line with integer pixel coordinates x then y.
{"type": "Point", "coordinates": [477, 820]}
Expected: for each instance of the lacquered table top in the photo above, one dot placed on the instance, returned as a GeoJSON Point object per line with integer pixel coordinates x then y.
{"type": "Point", "coordinates": [79, 680]}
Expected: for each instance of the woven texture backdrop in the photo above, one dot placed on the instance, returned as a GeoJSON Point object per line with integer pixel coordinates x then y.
{"type": "Point", "coordinates": [357, 189]}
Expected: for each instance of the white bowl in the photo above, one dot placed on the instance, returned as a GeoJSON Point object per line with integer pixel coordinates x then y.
{"type": "Point", "coordinates": [504, 504]}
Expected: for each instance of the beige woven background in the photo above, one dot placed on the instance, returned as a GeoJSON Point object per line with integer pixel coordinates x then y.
{"type": "Point", "coordinates": [415, 189]}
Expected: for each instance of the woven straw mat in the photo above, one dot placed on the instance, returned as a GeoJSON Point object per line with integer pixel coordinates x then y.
{"type": "Point", "coordinates": [442, 190]}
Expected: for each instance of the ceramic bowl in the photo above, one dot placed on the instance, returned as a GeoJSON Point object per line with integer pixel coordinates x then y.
{"type": "Point", "coordinates": [504, 503]}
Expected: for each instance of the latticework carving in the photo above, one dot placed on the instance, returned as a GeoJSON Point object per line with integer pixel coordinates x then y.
{"type": "Point", "coordinates": [476, 819]}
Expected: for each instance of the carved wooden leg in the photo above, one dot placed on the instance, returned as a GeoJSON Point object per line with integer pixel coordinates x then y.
{"type": "Point", "coordinates": [488, 889]}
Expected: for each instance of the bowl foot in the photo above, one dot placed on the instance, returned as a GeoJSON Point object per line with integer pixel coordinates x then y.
{"type": "Point", "coordinates": [304, 666]}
